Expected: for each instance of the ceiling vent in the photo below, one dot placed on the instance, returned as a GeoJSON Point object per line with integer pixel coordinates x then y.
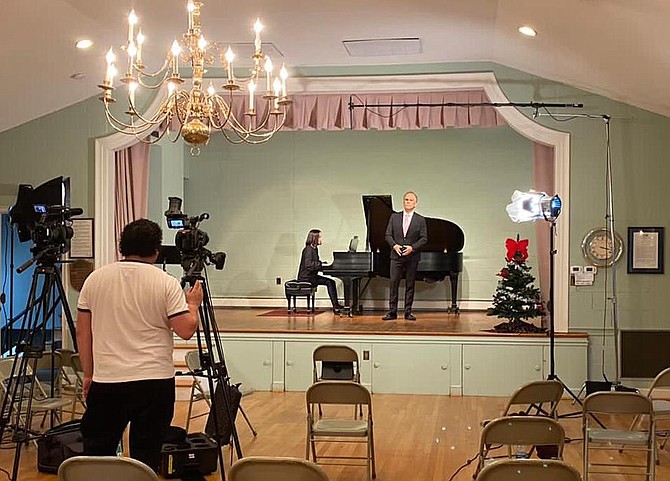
{"type": "Point", "coordinates": [383, 47]}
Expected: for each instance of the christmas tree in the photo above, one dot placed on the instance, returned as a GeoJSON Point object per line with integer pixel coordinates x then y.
{"type": "Point", "coordinates": [516, 298]}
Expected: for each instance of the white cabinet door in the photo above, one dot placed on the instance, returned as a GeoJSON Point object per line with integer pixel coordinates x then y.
{"type": "Point", "coordinates": [496, 370]}
{"type": "Point", "coordinates": [410, 368]}
{"type": "Point", "coordinates": [249, 362]}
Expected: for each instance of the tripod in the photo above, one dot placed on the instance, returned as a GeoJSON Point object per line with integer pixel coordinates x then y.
{"type": "Point", "coordinates": [18, 405]}
{"type": "Point", "coordinates": [213, 366]}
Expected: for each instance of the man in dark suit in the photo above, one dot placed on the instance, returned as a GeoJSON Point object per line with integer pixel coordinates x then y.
{"type": "Point", "coordinates": [406, 234]}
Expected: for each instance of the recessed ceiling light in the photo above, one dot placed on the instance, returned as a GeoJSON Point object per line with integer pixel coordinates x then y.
{"type": "Point", "coordinates": [83, 44]}
{"type": "Point", "coordinates": [528, 31]}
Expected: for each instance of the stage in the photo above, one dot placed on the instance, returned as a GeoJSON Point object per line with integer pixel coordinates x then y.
{"type": "Point", "coordinates": [428, 323]}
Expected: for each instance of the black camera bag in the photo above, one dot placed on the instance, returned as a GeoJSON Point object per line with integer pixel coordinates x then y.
{"type": "Point", "coordinates": [57, 444]}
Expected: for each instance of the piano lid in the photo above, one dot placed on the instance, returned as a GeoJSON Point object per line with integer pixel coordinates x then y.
{"type": "Point", "coordinates": [443, 235]}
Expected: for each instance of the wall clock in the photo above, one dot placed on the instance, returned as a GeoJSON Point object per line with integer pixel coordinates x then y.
{"type": "Point", "coordinates": [598, 250]}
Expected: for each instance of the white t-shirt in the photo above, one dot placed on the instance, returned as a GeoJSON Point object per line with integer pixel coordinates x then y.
{"type": "Point", "coordinates": [130, 304]}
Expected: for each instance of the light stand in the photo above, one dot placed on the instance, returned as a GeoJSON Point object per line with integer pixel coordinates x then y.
{"type": "Point", "coordinates": [532, 206]}
{"type": "Point", "coordinates": [552, 329]}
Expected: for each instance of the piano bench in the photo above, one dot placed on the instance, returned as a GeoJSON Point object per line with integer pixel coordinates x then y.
{"type": "Point", "coordinates": [294, 289]}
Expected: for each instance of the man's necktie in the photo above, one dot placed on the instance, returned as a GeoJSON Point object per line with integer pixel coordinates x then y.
{"type": "Point", "coordinates": [405, 224]}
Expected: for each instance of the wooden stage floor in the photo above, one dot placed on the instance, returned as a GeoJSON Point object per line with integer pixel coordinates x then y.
{"type": "Point", "coordinates": [438, 323]}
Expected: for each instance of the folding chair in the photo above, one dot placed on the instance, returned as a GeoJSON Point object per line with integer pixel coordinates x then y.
{"type": "Point", "coordinates": [277, 469]}
{"type": "Point", "coordinates": [41, 402]}
{"type": "Point", "coordinates": [336, 363]}
{"type": "Point", "coordinates": [338, 429]}
{"type": "Point", "coordinates": [104, 468]}
{"type": "Point", "coordinates": [621, 408]}
{"type": "Point", "coordinates": [537, 398]}
{"type": "Point", "coordinates": [660, 401]}
{"type": "Point", "coordinates": [529, 470]}
{"type": "Point", "coordinates": [516, 432]}
{"type": "Point", "coordinates": [337, 359]}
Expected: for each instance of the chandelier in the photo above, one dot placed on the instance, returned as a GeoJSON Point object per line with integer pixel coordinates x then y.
{"type": "Point", "coordinates": [193, 112]}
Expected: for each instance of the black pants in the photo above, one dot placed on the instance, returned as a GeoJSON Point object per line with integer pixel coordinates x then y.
{"type": "Point", "coordinates": [147, 405]}
{"type": "Point", "coordinates": [400, 269]}
{"type": "Point", "coordinates": [332, 288]}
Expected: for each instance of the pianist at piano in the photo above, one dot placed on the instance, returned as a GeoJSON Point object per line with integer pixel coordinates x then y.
{"type": "Point", "coordinates": [310, 265]}
{"type": "Point", "coordinates": [406, 234]}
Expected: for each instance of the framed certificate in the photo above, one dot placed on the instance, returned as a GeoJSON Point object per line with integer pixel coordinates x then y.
{"type": "Point", "coordinates": [645, 250]}
{"type": "Point", "coordinates": [81, 245]}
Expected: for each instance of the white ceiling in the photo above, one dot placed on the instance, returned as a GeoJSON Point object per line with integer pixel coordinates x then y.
{"type": "Point", "coordinates": [618, 48]}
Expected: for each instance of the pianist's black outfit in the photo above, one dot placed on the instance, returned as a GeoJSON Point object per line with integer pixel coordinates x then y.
{"type": "Point", "coordinates": [310, 265]}
{"type": "Point", "coordinates": [417, 237]}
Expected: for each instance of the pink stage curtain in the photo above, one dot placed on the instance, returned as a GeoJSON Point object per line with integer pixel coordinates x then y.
{"type": "Point", "coordinates": [543, 181]}
{"type": "Point", "coordinates": [331, 111]}
{"type": "Point", "coordinates": [132, 186]}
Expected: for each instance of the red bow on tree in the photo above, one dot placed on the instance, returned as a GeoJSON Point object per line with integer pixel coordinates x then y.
{"type": "Point", "coordinates": [517, 249]}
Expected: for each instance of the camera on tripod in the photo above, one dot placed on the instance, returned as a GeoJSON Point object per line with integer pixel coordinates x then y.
{"type": "Point", "coordinates": [53, 227]}
{"type": "Point", "coordinates": [43, 217]}
{"type": "Point", "coordinates": [191, 240]}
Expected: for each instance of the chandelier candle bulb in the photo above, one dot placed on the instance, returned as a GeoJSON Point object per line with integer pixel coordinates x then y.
{"type": "Point", "coordinates": [132, 86]}
{"type": "Point", "coordinates": [190, 6]}
{"type": "Point", "coordinates": [277, 90]}
{"type": "Point", "coordinates": [109, 74]}
{"type": "Point", "coordinates": [140, 41]}
{"type": "Point", "coordinates": [258, 26]}
{"type": "Point", "coordinates": [268, 71]}
{"type": "Point", "coordinates": [230, 56]}
{"type": "Point", "coordinates": [176, 50]}
{"type": "Point", "coordinates": [252, 88]}
{"type": "Point", "coordinates": [132, 20]}
{"type": "Point", "coordinates": [283, 74]}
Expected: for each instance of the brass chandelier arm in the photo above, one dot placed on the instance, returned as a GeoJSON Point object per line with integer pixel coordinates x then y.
{"type": "Point", "coordinates": [245, 137]}
{"type": "Point", "coordinates": [141, 77]}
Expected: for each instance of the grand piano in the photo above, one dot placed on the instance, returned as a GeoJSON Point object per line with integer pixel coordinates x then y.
{"type": "Point", "coordinates": [440, 258]}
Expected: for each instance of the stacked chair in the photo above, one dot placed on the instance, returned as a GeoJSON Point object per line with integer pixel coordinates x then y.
{"type": "Point", "coordinates": [336, 376]}
{"type": "Point", "coordinates": [528, 420]}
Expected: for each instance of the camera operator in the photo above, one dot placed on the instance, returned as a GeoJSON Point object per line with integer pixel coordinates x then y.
{"type": "Point", "coordinates": [127, 312]}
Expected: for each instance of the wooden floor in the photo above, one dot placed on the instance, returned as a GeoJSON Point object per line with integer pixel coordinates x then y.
{"type": "Point", "coordinates": [423, 438]}
{"type": "Point", "coordinates": [370, 322]}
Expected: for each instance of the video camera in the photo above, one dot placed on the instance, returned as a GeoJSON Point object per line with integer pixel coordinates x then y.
{"type": "Point", "coordinates": [40, 216]}
{"type": "Point", "coordinates": [191, 240]}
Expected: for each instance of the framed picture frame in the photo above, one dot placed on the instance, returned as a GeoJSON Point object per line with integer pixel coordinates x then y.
{"type": "Point", "coordinates": [646, 250]}
{"type": "Point", "coordinates": [81, 245]}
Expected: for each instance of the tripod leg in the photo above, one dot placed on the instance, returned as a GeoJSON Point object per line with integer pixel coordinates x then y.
{"type": "Point", "coordinates": [246, 419]}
